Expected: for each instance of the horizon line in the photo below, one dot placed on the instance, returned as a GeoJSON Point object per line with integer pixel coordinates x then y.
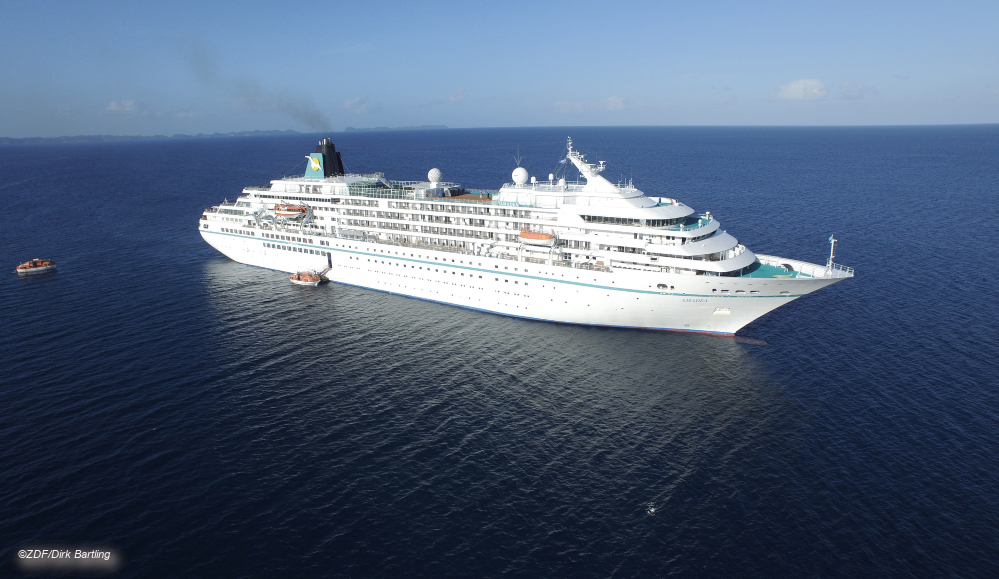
{"type": "Point", "coordinates": [289, 132]}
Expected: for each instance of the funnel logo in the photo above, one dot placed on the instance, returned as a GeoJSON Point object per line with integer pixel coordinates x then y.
{"type": "Point", "coordinates": [315, 167]}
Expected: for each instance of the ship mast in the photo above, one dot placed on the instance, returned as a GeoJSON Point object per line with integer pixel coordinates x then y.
{"type": "Point", "coordinates": [594, 181]}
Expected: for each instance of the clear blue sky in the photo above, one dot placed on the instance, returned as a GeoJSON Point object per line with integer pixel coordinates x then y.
{"type": "Point", "coordinates": [186, 67]}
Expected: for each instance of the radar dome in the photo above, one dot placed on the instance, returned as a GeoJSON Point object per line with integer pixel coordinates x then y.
{"type": "Point", "coordinates": [435, 176]}
{"type": "Point", "coordinates": [520, 175]}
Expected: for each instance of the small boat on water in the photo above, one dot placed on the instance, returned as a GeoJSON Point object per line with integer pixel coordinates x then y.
{"type": "Point", "coordinates": [306, 278]}
{"type": "Point", "coordinates": [36, 266]}
{"type": "Point", "coordinates": [534, 238]}
{"type": "Point", "coordinates": [289, 210]}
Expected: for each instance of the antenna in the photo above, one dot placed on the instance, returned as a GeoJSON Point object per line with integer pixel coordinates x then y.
{"type": "Point", "coordinates": [518, 158]}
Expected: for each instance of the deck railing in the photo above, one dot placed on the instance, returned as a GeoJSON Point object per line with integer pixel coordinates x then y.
{"type": "Point", "coordinates": [834, 270]}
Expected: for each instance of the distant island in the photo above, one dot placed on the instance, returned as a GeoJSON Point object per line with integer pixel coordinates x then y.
{"type": "Point", "coordinates": [419, 128]}
{"type": "Point", "coordinates": [110, 138]}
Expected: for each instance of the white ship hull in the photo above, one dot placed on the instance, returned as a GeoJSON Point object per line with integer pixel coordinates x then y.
{"type": "Point", "coordinates": [618, 298]}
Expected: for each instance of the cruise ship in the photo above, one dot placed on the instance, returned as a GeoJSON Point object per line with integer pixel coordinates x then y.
{"type": "Point", "coordinates": [572, 248]}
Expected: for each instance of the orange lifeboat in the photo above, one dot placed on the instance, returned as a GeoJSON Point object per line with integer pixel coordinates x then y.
{"type": "Point", "coordinates": [36, 266]}
{"type": "Point", "coordinates": [289, 210]}
{"type": "Point", "coordinates": [535, 238]}
{"type": "Point", "coordinates": [306, 278]}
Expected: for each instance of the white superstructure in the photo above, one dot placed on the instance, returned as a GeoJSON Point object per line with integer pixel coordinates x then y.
{"type": "Point", "coordinates": [582, 252]}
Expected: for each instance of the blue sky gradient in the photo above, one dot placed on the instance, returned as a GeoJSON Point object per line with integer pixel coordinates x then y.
{"type": "Point", "coordinates": [185, 67]}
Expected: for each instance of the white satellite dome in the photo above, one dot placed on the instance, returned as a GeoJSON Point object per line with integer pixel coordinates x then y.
{"type": "Point", "coordinates": [520, 175]}
{"type": "Point", "coordinates": [435, 176]}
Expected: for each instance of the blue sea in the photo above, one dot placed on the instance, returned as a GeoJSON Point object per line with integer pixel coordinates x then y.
{"type": "Point", "coordinates": [209, 419]}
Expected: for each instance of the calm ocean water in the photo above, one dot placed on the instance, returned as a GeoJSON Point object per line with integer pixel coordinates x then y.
{"type": "Point", "coordinates": [211, 420]}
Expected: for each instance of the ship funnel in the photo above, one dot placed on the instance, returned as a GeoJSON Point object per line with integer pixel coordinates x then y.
{"type": "Point", "coordinates": [332, 163]}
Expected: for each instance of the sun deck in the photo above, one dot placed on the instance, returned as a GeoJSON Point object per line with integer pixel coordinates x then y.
{"type": "Point", "coordinates": [770, 266]}
{"type": "Point", "coordinates": [758, 269]}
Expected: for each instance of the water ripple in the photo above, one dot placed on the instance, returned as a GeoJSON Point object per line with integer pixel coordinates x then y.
{"type": "Point", "coordinates": [209, 419]}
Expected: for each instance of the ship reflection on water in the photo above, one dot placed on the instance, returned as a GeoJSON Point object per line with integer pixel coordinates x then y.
{"type": "Point", "coordinates": [377, 407]}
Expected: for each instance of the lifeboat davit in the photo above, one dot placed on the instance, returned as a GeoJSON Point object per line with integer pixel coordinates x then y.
{"type": "Point", "coordinates": [36, 266]}
{"type": "Point", "coordinates": [306, 278]}
{"type": "Point", "coordinates": [289, 210]}
{"type": "Point", "coordinates": [535, 238]}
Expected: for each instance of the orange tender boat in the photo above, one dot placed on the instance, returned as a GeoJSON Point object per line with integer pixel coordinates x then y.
{"type": "Point", "coordinates": [36, 266]}
{"type": "Point", "coordinates": [289, 210]}
{"type": "Point", "coordinates": [535, 238]}
{"type": "Point", "coordinates": [306, 278]}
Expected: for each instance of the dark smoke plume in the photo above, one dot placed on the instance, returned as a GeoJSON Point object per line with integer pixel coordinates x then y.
{"type": "Point", "coordinates": [250, 93]}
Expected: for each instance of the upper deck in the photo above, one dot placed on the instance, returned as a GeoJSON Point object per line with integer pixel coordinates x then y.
{"type": "Point", "coordinates": [595, 223]}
